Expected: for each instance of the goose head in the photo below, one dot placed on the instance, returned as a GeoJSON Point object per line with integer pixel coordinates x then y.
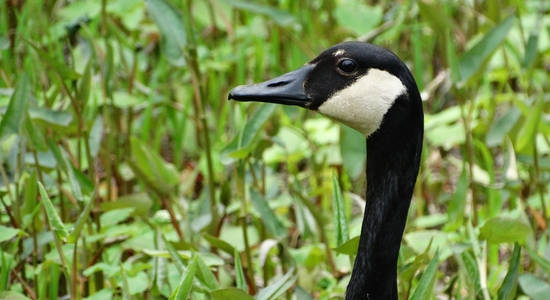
{"type": "Point", "coordinates": [353, 83]}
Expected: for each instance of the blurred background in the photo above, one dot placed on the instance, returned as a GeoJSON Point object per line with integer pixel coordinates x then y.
{"type": "Point", "coordinates": [126, 173]}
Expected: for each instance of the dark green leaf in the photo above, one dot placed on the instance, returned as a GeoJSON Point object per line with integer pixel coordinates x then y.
{"type": "Point", "coordinates": [472, 61]}
{"type": "Point", "coordinates": [60, 68]}
{"type": "Point", "coordinates": [240, 280]}
{"type": "Point", "coordinates": [53, 218]}
{"type": "Point", "coordinates": [183, 289]}
{"type": "Point", "coordinates": [340, 220]}
{"type": "Point", "coordinates": [13, 118]}
{"type": "Point", "coordinates": [509, 285]}
{"type": "Point", "coordinates": [425, 288]}
{"type": "Point", "coordinates": [281, 17]}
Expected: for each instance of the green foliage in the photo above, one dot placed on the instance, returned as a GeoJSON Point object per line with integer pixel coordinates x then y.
{"type": "Point", "coordinates": [126, 174]}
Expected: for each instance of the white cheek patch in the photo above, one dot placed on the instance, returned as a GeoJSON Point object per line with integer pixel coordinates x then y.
{"type": "Point", "coordinates": [339, 52]}
{"type": "Point", "coordinates": [363, 104]}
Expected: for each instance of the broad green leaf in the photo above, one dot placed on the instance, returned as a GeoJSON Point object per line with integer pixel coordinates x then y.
{"type": "Point", "coordinates": [115, 216]}
{"type": "Point", "coordinates": [472, 60]}
{"type": "Point", "coordinates": [240, 280]}
{"type": "Point", "coordinates": [13, 118]}
{"type": "Point", "coordinates": [30, 199]}
{"type": "Point", "coordinates": [349, 247]}
{"type": "Point", "coordinates": [358, 17]}
{"type": "Point", "coordinates": [183, 289]}
{"type": "Point", "coordinates": [11, 295]}
{"type": "Point", "coordinates": [341, 223]}
{"type": "Point", "coordinates": [169, 20]}
{"type": "Point", "coordinates": [534, 287]}
{"type": "Point", "coordinates": [425, 288]}
{"type": "Point", "coordinates": [509, 285]}
{"type": "Point", "coordinates": [231, 294]}
{"type": "Point", "coordinates": [279, 287]}
{"type": "Point", "coordinates": [7, 233]}
{"type": "Point", "coordinates": [529, 130]}
{"type": "Point", "coordinates": [268, 217]}
{"type": "Point", "coordinates": [61, 118]}
{"type": "Point", "coordinates": [53, 218]}
{"type": "Point", "coordinates": [504, 230]}
{"type": "Point", "coordinates": [141, 203]}
{"type": "Point", "coordinates": [80, 222]}
{"type": "Point", "coordinates": [353, 150]}
{"type": "Point", "coordinates": [60, 68]}
{"type": "Point", "coordinates": [280, 17]}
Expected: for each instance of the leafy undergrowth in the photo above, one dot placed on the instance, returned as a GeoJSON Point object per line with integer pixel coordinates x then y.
{"type": "Point", "coordinates": [126, 173]}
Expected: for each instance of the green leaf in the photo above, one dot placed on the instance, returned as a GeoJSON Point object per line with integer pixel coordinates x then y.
{"type": "Point", "coordinates": [353, 150]}
{"type": "Point", "coordinates": [472, 60]}
{"type": "Point", "coordinates": [206, 275]}
{"type": "Point", "coordinates": [149, 166]}
{"type": "Point", "coordinates": [531, 49]}
{"type": "Point", "coordinates": [358, 17]}
{"type": "Point", "coordinates": [541, 261]}
{"type": "Point", "coordinates": [34, 135]}
{"type": "Point", "coordinates": [13, 118]}
{"type": "Point", "coordinates": [529, 130]}
{"type": "Point", "coordinates": [219, 243]}
{"type": "Point", "coordinates": [280, 17]}
{"type": "Point", "coordinates": [341, 223]}
{"type": "Point", "coordinates": [534, 287]}
{"type": "Point", "coordinates": [182, 290]}
{"type": "Point", "coordinates": [504, 230]}
{"type": "Point", "coordinates": [425, 288]}
{"type": "Point", "coordinates": [279, 287]}
{"type": "Point", "coordinates": [502, 127]}
{"type": "Point", "coordinates": [61, 118]}
{"type": "Point", "coordinates": [11, 295]}
{"type": "Point", "coordinates": [231, 294]}
{"type": "Point", "coordinates": [456, 207]}
{"type": "Point", "coordinates": [509, 285]}
{"type": "Point", "coordinates": [7, 233]}
{"type": "Point", "coordinates": [60, 68]}
{"type": "Point", "coordinates": [115, 216]}
{"type": "Point", "coordinates": [251, 131]}
{"type": "Point", "coordinates": [240, 280]}
{"type": "Point", "coordinates": [268, 217]}
{"type": "Point", "coordinates": [141, 203]}
{"type": "Point", "coordinates": [434, 13]}
{"type": "Point", "coordinates": [80, 222]}
{"type": "Point", "coordinates": [55, 222]}
{"type": "Point", "coordinates": [169, 20]}
{"type": "Point", "coordinates": [350, 247]}
{"type": "Point", "coordinates": [68, 168]}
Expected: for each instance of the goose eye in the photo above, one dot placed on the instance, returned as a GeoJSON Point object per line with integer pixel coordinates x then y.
{"type": "Point", "coordinates": [347, 65]}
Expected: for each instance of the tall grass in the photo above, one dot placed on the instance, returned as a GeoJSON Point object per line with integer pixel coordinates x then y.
{"type": "Point", "coordinates": [126, 174]}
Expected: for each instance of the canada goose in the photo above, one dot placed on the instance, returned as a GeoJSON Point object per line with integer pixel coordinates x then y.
{"type": "Point", "coordinates": [371, 90]}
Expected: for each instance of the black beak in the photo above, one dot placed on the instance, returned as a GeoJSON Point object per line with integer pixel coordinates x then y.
{"type": "Point", "coordinates": [286, 89]}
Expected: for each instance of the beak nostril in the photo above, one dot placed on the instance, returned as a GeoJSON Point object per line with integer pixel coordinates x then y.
{"type": "Point", "coordinates": [278, 83]}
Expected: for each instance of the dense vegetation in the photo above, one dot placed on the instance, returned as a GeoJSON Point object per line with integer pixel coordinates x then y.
{"type": "Point", "coordinates": [126, 173]}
